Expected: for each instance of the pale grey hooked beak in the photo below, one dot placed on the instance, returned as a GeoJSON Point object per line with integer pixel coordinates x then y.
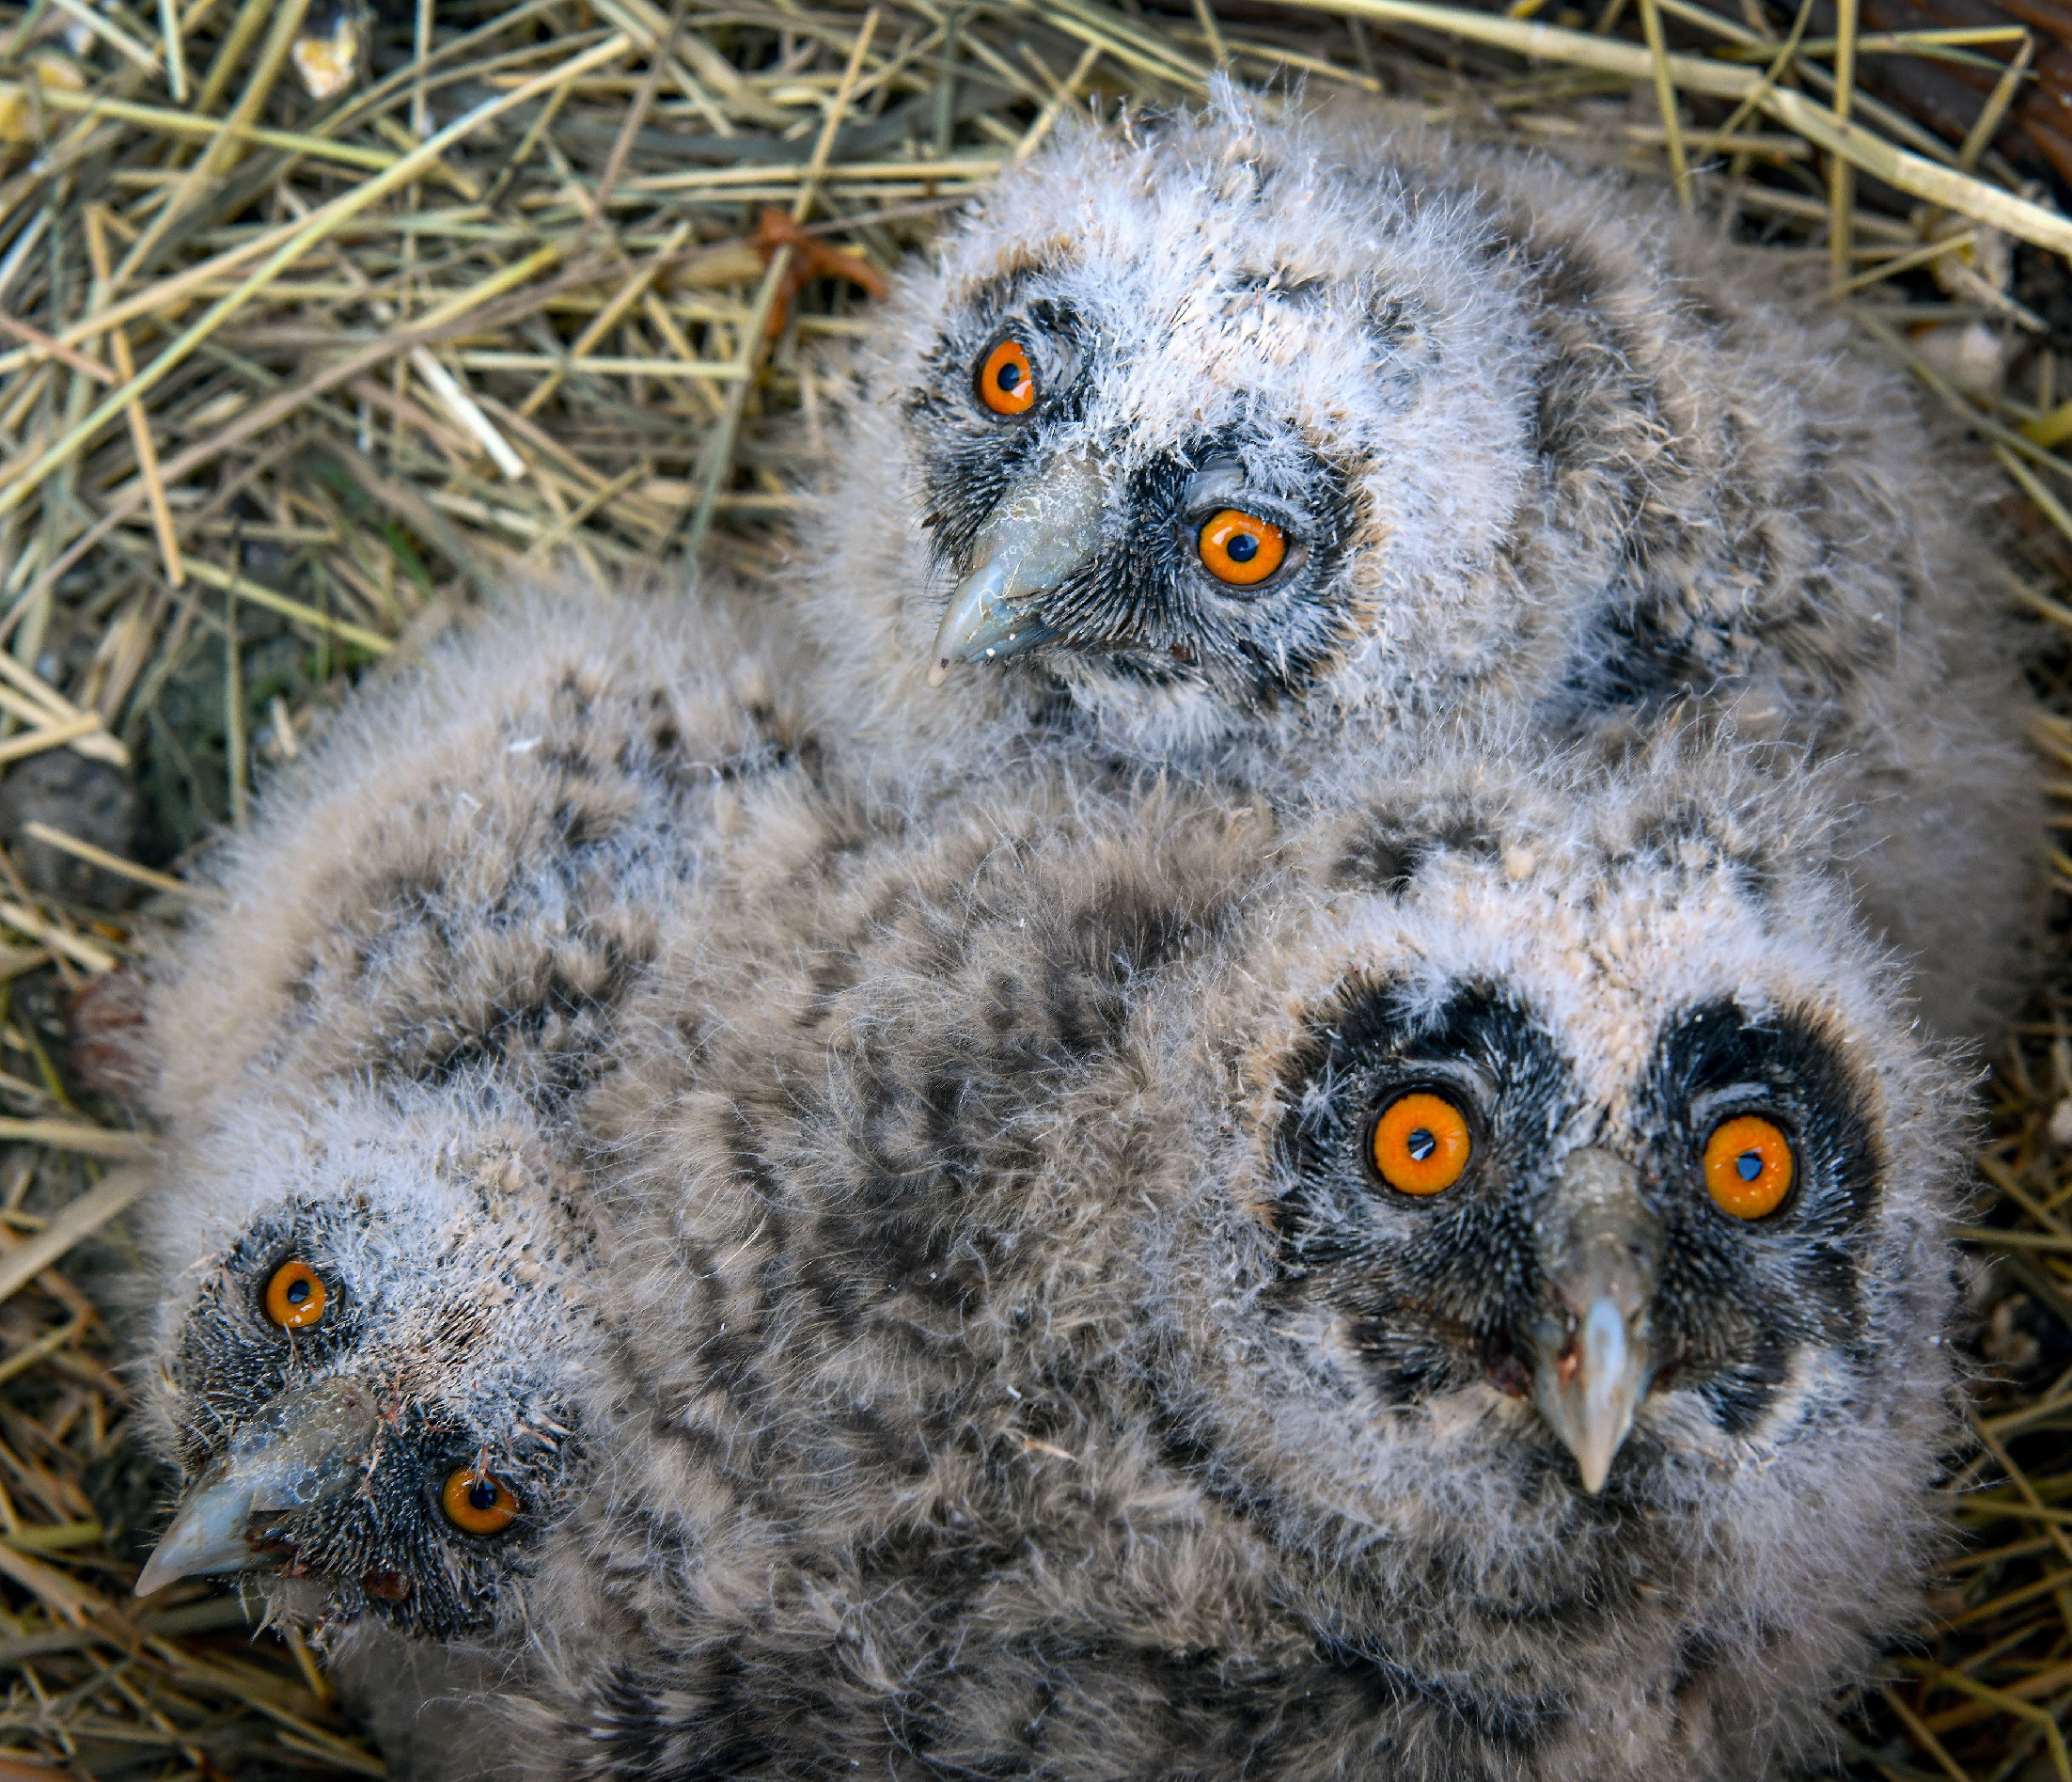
{"type": "Point", "coordinates": [305, 1448]}
{"type": "Point", "coordinates": [1593, 1357]}
{"type": "Point", "coordinates": [1027, 547]}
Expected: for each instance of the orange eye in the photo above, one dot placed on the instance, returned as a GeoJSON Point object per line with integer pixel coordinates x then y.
{"type": "Point", "coordinates": [1236, 547]}
{"type": "Point", "coordinates": [1420, 1143]}
{"type": "Point", "coordinates": [1007, 381]}
{"type": "Point", "coordinates": [295, 1296]}
{"type": "Point", "coordinates": [477, 1504]}
{"type": "Point", "coordinates": [1749, 1165]}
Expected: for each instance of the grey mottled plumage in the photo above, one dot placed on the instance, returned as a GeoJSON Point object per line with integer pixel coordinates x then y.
{"type": "Point", "coordinates": [1017, 1370]}
{"type": "Point", "coordinates": [1022, 1370]}
{"type": "Point", "coordinates": [1532, 443]}
{"type": "Point", "coordinates": [366, 1052]}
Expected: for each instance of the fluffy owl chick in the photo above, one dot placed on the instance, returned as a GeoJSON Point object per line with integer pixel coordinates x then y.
{"type": "Point", "coordinates": [1464, 1301]}
{"type": "Point", "coordinates": [369, 1242]}
{"type": "Point", "coordinates": [1220, 441]}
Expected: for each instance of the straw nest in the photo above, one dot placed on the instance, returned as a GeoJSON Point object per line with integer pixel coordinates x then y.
{"type": "Point", "coordinates": [320, 322]}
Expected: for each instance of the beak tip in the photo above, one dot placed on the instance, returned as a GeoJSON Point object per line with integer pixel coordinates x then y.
{"type": "Point", "coordinates": [938, 670]}
{"type": "Point", "coordinates": [155, 1575]}
{"type": "Point", "coordinates": [207, 1535]}
{"type": "Point", "coordinates": [1589, 1387]}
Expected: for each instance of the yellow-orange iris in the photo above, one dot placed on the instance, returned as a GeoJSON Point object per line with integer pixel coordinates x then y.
{"type": "Point", "coordinates": [1241, 548]}
{"type": "Point", "coordinates": [1749, 1165]}
{"type": "Point", "coordinates": [478, 1503]}
{"type": "Point", "coordinates": [295, 1296]}
{"type": "Point", "coordinates": [1007, 381]}
{"type": "Point", "coordinates": [1420, 1143]}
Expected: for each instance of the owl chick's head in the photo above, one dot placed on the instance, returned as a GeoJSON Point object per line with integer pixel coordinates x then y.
{"type": "Point", "coordinates": [1191, 416]}
{"type": "Point", "coordinates": [1590, 1224]}
{"type": "Point", "coordinates": [366, 1367]}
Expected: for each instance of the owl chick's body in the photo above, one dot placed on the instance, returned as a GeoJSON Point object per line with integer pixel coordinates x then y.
{"type": "Point", "coordinates": [1233, 446]}
{"type": "Point", "coordinates": [1024, 1370]}
{"type": "Point", "coordinates": [370, 1234]}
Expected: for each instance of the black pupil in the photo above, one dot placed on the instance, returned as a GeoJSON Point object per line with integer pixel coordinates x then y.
{"type": "Point", "coordinates": [482, 1495]}
{"type": "Point", "coordinates": [1009, 377]}
{"type": "Point", "coordinates": [1420, 1145]}
{"type": "Point", "coordinates": [298, 1291]}
{"type": "Point", "coordinates": [1749, 1165]}
{"type": "Point", "coordinates": [1242, 549]}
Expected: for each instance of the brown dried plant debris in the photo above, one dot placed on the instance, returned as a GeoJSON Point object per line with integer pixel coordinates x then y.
{"type": "Point", "coordinates": [317, 321]}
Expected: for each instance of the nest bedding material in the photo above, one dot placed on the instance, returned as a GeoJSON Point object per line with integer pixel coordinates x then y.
{"type": "Point", "coordinates": [322, 322]}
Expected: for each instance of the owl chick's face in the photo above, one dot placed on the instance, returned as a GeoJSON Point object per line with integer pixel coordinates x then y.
{"type": "Point", "coordinates": [1192, 422]}
{"type": "Point", "coordinates": [1599, 1170]}
{"type": "Point", "coordinates": [368, 1376]}
{"type": "Point", "coordinates": [1479, 1214]}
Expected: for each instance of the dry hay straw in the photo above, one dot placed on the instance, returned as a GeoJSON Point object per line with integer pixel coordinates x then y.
{"type": "Point", "coordinates": [320, 324]}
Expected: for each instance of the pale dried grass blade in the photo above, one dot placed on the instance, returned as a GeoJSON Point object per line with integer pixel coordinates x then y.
{"type": "Point", "coordinates": [81, 952]}
{"type": "Point", "coordinates": [1665, 100]}
{"type": "Point", "coordinates": [107, 862]}
{"type": "Point", "coordinates": [1910, 173]}
{"type": "Point", "coordinates": [83, 1216]}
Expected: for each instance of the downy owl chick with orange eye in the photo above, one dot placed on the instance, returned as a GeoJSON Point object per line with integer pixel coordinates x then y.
{"type": "Point", "coordinates": [1455, 1295]}
{"type": "Point", "coordinates": [371, 1310]}
{"type": "Point", "coordinates": [1219, 442]}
